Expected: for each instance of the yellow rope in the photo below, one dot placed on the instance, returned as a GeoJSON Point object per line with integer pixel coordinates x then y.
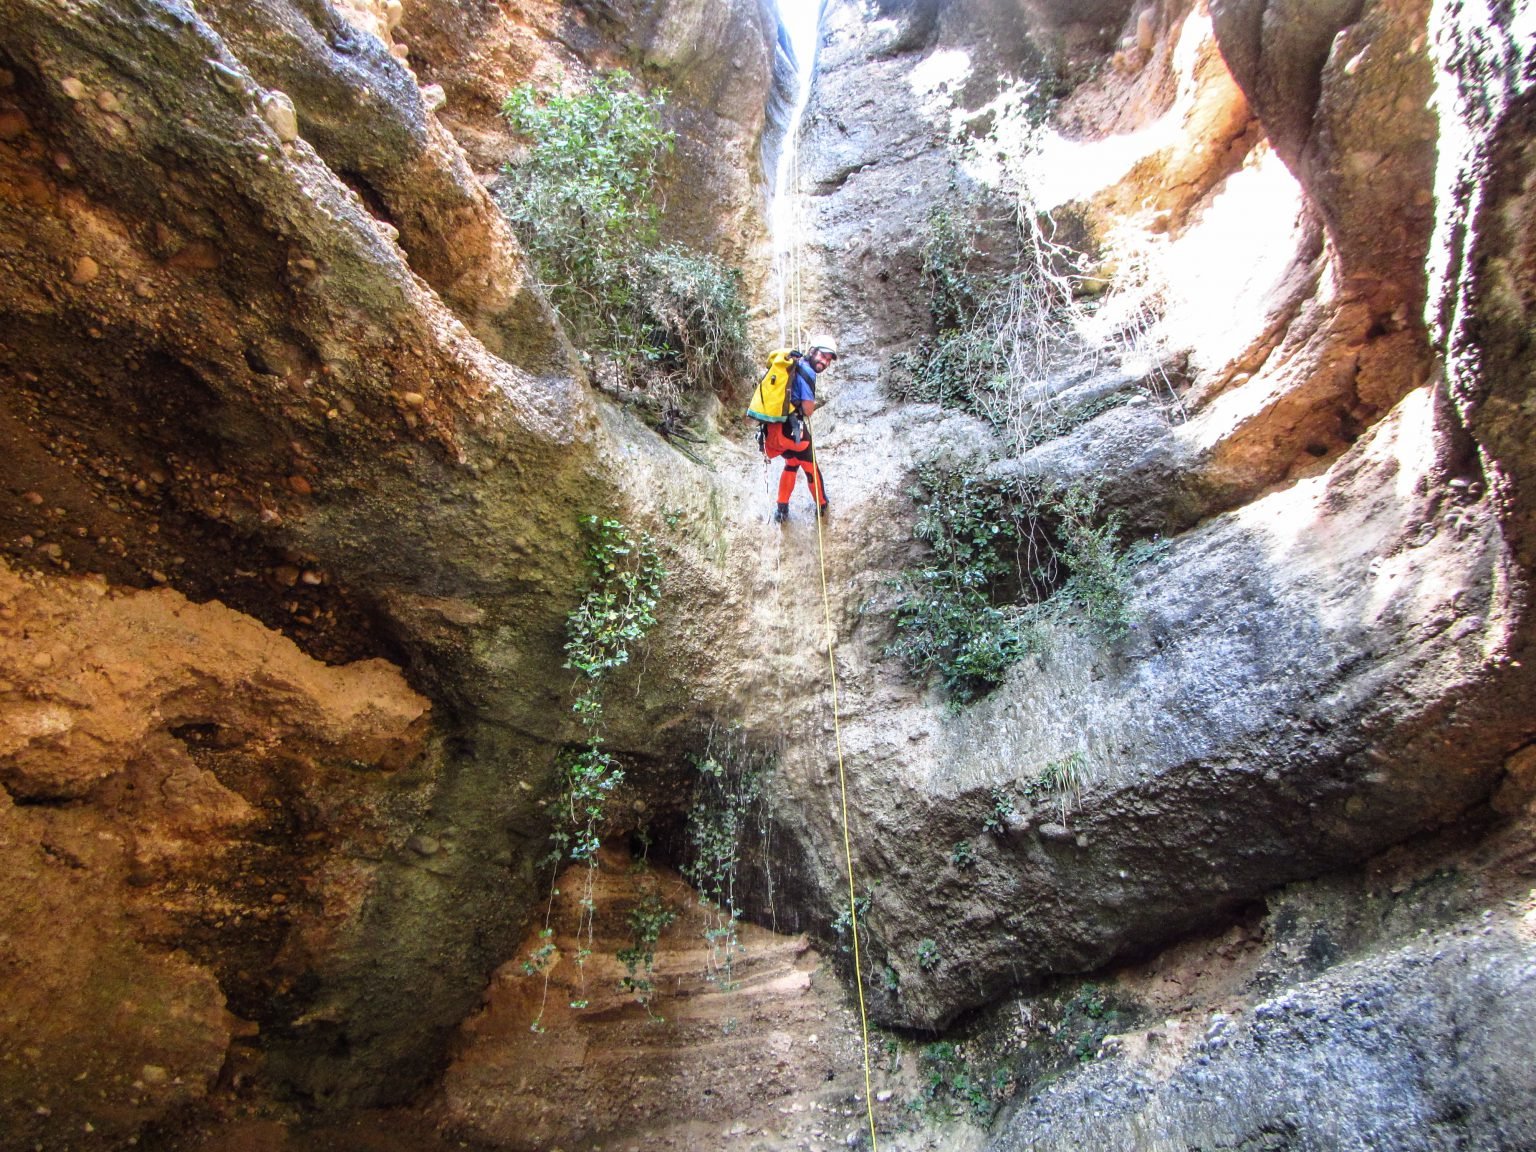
{"type": "Point", "coordinates": [842, 784]}
{"type": "Point", "coordinates": [791, 295]}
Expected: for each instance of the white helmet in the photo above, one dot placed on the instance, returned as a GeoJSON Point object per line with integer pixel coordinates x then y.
{"type": "Point", "coordinates": [826, 344]}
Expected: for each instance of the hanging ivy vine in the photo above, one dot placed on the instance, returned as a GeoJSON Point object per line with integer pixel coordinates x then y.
{"type": "Point", "coordinates": [625, 575]}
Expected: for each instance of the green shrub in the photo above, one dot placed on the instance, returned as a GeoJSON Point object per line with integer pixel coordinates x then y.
{"type": "Point", "coordinates": [1003, 561]}
{"type": "Point", "coordinates": [694, 317]}
{"type": "Point", "coordinates": [1001, 816]}
{"type": "Point", "coordinates": [1060, 782]}
{"type": "Point", "coordinates": [957, 290]}
{"type": "Point", "coordinates": [625, 575]}
{"type": "Point", "coordinates": [842, 927]}
{"type": "Point", "coordinates": [999, 332]}
{"type": "Point", "coordinates": [618, 610]}
{"type": "Point", "coordinates": [582, 200]}
{"type": "Point", "coordinates": [964, 362]}
{"type": "Point", "coordinates": [961, 368]}
{"type": "Point", "coordinates": [952, 617]}
{"type": "Point", "coordinates": [662, 321]}
{"type": "Point", "coordinates": [624, 587]}
{"type": "Point", "coordinates": [953, 1088]}
{"type": "Point", "coordinates": [1098, 581]}
{"type": "Point", "coordinates": [1087, 1018]}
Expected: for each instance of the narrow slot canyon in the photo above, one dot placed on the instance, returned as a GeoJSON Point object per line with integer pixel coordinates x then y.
{"type": "Point", "coordinates": [435, 715]}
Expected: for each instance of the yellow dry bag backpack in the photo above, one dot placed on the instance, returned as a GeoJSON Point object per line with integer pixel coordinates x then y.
{"type": "Point", "coordinates": [770, 401]}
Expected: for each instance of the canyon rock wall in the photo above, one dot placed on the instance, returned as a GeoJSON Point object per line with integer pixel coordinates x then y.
{"type": "Point", "coordinates": [194, 814]}
{"type": "Point", "coordinates": [296, 455]}
{"type": "Point", "coordinates": [1328, 659]}
{"type": "Point", "coordinates": [1329, 654]}
{"type": "Point", "coordinates": [269, 343]}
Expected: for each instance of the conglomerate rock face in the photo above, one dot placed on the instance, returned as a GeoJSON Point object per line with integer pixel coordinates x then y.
{"type": "Point", "coordinates": [1365, 1056]}
{"type": "Point", "coordinates": [267, 341]}
{"type": "Point", "coordinates": [193, 813]}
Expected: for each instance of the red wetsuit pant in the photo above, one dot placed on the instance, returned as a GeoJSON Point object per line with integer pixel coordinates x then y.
{"type": "Point", "coordinates": [797, 458]}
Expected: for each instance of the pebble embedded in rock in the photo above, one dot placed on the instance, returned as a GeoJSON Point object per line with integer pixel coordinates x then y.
{"type": "Point", "coordinates": [300, 485]}
{"type": "Point", "coordinates": [433, 97]}
{"type": "Point", "coordinates": [278, 111]}
{"type": "Point", "coordinates": [107, 100]}
{"type": "Point", "coordinates": [73, 87]}
{"type": "Point", "coordinates": [424, 845]}
{"type": "Point", "coordinates": [198, 256]}
{"type": "Point", "coordinates": [13, 123]}
{"type": "Point", "coordinates": [414, 399]}
{"type": "Point", "coordinates": [84, 271]}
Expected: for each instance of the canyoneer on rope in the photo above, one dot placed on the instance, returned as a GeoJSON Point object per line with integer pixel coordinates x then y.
{"type": "Point", "coordinates": [782, 404]}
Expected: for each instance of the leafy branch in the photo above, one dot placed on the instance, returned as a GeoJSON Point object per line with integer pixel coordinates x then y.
{"type": "Point", "coordinates": [624, 574]}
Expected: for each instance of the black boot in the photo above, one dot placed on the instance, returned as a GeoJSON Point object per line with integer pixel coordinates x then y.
{"type": "Point", "coordinates": [781, 514]}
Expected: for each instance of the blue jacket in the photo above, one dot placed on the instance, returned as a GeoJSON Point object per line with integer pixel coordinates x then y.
{"type": "Point", "coordinates": [802, 385]}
